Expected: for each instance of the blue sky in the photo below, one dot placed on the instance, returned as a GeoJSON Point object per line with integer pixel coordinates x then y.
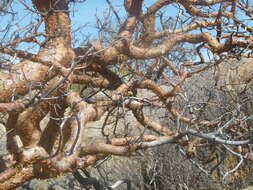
{"type": "Point", "coordinates": [85, 13]}
{"type": "Point", "coordinates": [81, 14]}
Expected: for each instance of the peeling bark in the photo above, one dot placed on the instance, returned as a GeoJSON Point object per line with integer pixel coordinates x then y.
{"type": "Point", "coordinates": [41, 85]}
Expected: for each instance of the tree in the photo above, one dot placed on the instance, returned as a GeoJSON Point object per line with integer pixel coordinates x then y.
{"type": "Point", "coordinates": [144, 54]}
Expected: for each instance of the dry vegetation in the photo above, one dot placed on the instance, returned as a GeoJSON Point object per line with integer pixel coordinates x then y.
{"type": "Point", "coordinates": [179, 84]}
